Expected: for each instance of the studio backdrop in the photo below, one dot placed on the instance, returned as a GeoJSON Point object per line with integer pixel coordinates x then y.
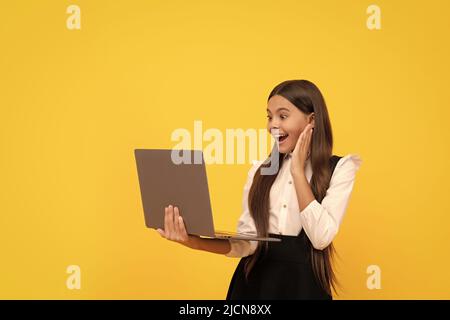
{"type": "Point", "coordinates": [84, 83]}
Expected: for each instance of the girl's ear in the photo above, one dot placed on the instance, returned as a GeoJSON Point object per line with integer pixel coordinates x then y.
{"type": "Point", "coordinates": [311, 119]}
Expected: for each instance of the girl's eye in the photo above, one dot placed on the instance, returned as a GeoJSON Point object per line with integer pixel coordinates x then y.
{"type": "Point", "coordinates": [269, 117]}
{"type": "Point", "coordinates": [283, 116]}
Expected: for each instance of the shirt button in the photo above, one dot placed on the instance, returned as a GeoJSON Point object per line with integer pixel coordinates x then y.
{"type": "Point", "coordinates": [284, 206]}
{"type": "Point", "coordinates": [290, 182]}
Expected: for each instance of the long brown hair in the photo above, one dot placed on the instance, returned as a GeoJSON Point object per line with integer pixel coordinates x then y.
{"type": "Point", "coordinates": [307, 98]}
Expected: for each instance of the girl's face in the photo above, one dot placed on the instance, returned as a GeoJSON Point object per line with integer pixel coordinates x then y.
{"type": "Point", "coordinates": [286, 122]}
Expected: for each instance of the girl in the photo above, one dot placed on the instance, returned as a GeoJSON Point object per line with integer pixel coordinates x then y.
{"type": "Point", "coordinates": [303, 204]}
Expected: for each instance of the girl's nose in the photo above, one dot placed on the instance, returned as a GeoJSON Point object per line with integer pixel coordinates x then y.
{"type": "Point", "coordinates": [274, 130]}
{"type": "Point", "coordinates": [274, 124]}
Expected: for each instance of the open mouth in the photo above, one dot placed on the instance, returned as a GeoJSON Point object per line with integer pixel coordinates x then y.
{"type": "Point", "coordinates": [281, 137]}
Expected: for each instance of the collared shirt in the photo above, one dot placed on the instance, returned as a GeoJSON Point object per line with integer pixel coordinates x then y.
{"type": "Point", "coordinates": [320, 221]}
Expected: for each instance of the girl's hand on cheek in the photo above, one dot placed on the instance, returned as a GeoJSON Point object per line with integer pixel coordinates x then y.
{"type": "Point", "coordinates": [302, 150]}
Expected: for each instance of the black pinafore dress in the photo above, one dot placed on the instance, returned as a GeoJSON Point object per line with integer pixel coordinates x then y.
{"type": "Point", "coordinates": [283, 271]}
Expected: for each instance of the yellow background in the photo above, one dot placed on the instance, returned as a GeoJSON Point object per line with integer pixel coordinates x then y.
{"type": "Point", "coordinates": [75, 103]}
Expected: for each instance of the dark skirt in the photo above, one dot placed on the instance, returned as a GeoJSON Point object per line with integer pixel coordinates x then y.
{"type": "Point", "coordinates": [283, 272]}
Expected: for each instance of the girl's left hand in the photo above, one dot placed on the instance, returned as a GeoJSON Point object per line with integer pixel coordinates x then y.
{"type": "Point", "coordinates": [302, 150]}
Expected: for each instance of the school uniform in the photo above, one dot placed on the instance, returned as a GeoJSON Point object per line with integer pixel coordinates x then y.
{"type": "Point", "coordinates": [284, 271]}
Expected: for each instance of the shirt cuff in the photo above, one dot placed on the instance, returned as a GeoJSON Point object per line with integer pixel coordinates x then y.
{"type": "Point", "coordinates": [312, 206]}
{"type": "Point", "coordinates": [316, 223]}
{"type": "Point", "coordinates": [240, 248]}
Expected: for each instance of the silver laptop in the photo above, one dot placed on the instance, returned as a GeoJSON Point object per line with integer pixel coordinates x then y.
{"type": "Point", "coordinates": [178, 177]}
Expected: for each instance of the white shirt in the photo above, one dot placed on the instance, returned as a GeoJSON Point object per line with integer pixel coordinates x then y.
{"type": "Point", "coordinates": [320, 221]}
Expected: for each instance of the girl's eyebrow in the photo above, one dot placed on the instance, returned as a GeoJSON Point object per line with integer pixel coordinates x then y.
{"type": "Point", "coordinates": [282, 108]}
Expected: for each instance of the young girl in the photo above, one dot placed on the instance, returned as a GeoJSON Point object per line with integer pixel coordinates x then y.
{"type": "Point", "coordinates": [303, 204]}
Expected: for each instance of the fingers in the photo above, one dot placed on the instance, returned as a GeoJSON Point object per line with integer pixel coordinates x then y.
{"type": "Point", "coordinates": [304, 139]}
{"type": "Point", "coordinates": [308, 142]}
{"type": "Point", "coordinates": [167, 222]}
{"type": "Point", "coordinates": [176, 224]}
{"type": "Point", "coordinates": [174, 228]}
{"type": "Point", "coordinates": [307, 139]}
{"type": "Point", "coordinates": [306, 129]}
{"type": "Point", "coordinates": [161, 232]}
{"type": "Point", "coordinates": [182, 228]}
{"type": "Point", "coordinates": [309, 134]}
{"type": "Point", "coordinates": [299, 142]}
